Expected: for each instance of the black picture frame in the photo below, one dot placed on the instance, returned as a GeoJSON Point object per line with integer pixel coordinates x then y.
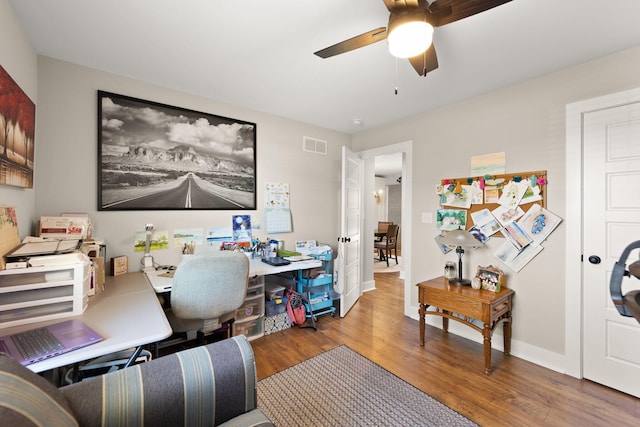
{"type": "Point", "coordinates": [153, 156]}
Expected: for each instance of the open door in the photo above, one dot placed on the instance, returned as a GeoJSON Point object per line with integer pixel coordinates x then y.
{"type": "Point", "coordinates": [348, 259]}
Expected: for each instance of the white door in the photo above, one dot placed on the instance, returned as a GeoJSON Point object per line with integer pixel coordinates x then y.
{"type": "Point", "coordinates": [611, 194]}
{"type": "Point", "coordinates": [348, 260]}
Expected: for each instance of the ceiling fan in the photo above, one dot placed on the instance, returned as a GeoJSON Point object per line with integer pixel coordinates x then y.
{"type": "Point", "coordinates": [411, 22]}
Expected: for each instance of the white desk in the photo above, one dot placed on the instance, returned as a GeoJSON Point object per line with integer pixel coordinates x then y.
{"type": "Point", "coordinates": [127, 314]}
{"type": "Point", "coordinates": [256, 268]}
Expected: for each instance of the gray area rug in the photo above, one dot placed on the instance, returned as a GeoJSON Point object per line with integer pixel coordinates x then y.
{"type": "Point", "coordinates": [343, 388]}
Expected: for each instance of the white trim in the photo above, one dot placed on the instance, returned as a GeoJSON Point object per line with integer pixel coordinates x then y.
{"type": "Point", "coordinates": [520, 349]}
{"type": "Point", "coordinates": [574, 224]}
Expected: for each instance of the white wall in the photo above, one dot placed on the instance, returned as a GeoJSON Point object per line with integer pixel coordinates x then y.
{"type": "Point", "coordinates": [67, 162]}
{"type": "Point", "coordinates": [527, 122]}
{"type": "Point", "coordinates": [20, 61]}
{"type": "Point", "coordinates": [380, 187]}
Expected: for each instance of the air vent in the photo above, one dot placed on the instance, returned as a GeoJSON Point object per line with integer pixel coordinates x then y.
{"type": "Point", "coordinates": [314, 145]}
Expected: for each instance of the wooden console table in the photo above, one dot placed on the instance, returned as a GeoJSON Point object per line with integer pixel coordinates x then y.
{"type": "Point", "coordinates": [486, 306]}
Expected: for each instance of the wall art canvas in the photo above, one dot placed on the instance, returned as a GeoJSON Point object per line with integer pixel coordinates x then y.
{"type": "Point", "coordinates": [17, 136]}
{"type": "Point", "coordinates": [153, 156]}
{"type": "Point", "coordinates": [488, 164]}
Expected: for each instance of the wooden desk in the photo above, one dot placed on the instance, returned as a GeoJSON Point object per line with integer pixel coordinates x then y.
{"type": "Point", "coordinates": [489, 307]}
{"type": "Point", "coordinates": [127, 314]}
{"type": "Point", "coordinates": [163, 284]}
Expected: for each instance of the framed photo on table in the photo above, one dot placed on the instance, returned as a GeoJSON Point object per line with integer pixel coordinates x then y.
{"type": "Point", "coordinates": [153, 156]}
{"type": "Point", "coordinates": [490, 278]}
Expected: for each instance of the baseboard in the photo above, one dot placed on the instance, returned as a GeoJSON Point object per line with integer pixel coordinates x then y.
{"type": "Point", "coordinates": [368, 286]}
{"type": "Point", "coordinates": [537, 355]}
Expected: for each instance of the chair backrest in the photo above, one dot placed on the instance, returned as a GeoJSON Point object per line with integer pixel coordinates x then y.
{"type": "Point", "coordinates": [392, 233]}
{"type": "Point", "coordinates": [208, 286]}
{"type": "Point", "coordinates": [383, 226]}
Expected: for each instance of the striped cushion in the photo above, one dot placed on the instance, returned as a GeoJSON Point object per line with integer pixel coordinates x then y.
{"type": "Point", "coordinates": [255, 418]}
{"type": "Point", "coordinates": [26, 399]}
{"type": "Point", "coordinates": [206, 385]}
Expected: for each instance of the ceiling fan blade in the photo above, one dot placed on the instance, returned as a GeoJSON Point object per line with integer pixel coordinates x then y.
{"type": "Point", "coordinates": [425, 62]}
{"type": "Point", "coordinates": [356, 42]}
{"type": "Point", "coordinates": [448, 11]}
{"type": "Point", "coordinates": [401, 4]}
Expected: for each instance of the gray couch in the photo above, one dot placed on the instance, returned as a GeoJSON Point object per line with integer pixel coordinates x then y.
{"type": "Point", "coordinates": [209, 385]}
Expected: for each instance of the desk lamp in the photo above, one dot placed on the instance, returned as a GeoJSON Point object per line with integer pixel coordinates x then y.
{"type": "Point", "coordinates": [147, 261]}
{"type": "Point", "coordinates": [460, 239]}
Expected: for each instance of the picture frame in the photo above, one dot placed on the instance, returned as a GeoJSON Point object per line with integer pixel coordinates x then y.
{"type": "Point", "coordinates": [490, 277]}
{"type": "Point", "coordinates": [153, 156]}
{"type": "Point", "coordinates": [18, 125]}
{"type": "Point", "coordinates": [119, 265]}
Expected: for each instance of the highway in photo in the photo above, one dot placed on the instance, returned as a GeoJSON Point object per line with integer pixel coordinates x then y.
{"type": "Point", "coordinates": [186, 195]}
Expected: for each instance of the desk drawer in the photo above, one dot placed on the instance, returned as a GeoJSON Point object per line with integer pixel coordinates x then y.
{"type": "Point", "coordinates": [499, 309]}
{"type": "Point", "coordinates": [251, 307]}
{"type": "Point", "coordinates": [252, 329]}
{"type": "Point", "coordinates": [455, 304]}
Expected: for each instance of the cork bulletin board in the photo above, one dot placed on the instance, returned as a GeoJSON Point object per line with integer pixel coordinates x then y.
{"type": "Point", "coordinates": [493, 186]}
{"type": "Point", "coordinates": [512, 205]}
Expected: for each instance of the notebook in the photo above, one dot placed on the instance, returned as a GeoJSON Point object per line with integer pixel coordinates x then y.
{"type": "Point", "coordinates": [42, 343]}
{"type": "Point", "coordinates": [275, 261]}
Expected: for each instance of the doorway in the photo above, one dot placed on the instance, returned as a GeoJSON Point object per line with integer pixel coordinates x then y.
{"type": "Point", "coordinates": [388, 205]}
{"type": "Point", "coordinates": [403, 149]}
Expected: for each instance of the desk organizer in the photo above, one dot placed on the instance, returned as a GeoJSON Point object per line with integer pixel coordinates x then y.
{"type": "Point", "coordinates": [248, 320]}
{"type": "Point", "coordinates": [29, 295]}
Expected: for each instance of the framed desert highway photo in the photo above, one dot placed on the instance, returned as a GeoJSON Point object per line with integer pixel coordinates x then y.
{"type": "Point", "coordinates": [153, 156]}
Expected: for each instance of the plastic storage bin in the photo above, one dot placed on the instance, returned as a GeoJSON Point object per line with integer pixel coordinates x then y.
{"type": "Point", "coordinates": [35, 294]}
{"type": "Point", "coordinates": [251, 307]}
{"type": "Point", "coordinates": [277, 306]}
{"type": "Point", "coordinates": [249, 328]}
{"type": "Point", "coordinates": [248, 319]}
{"type": "Point", "coordinates": [273, 291]}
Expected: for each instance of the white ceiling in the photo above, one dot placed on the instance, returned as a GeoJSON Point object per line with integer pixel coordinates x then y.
{"type": "Point", "coordinates": [389, 165]}
{"type": "Point", "coordinates": [258, 54]}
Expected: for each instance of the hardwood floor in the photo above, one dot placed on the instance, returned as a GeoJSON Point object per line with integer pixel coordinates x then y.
{"type": "Point", "coordinates": [450, 368]}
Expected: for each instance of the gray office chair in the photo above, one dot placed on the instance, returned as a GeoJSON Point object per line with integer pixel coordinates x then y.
{"type": "Point", "coordinates": [390, 243]}
{"type": "Point", "coordinates": [206, 292]}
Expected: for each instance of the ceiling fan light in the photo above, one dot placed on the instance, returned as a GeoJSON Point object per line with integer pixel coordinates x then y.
{"type": "Point", "coordinates": [410, 38]}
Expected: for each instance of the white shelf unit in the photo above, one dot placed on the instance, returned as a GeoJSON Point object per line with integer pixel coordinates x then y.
{"type": "Point", "coordinates": [249, 317]}
{"type": "Point", "coordinates": [34, 294]}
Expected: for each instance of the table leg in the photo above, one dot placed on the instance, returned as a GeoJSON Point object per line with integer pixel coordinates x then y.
{"type": "Point", "coordinates": [486, 333]}
{"type": "Point", "coordinates": [507, 334]}
{"type": "Point", "coordinates": [422, 311]}
{"type": "Point", "coordinates": [445, 322]}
